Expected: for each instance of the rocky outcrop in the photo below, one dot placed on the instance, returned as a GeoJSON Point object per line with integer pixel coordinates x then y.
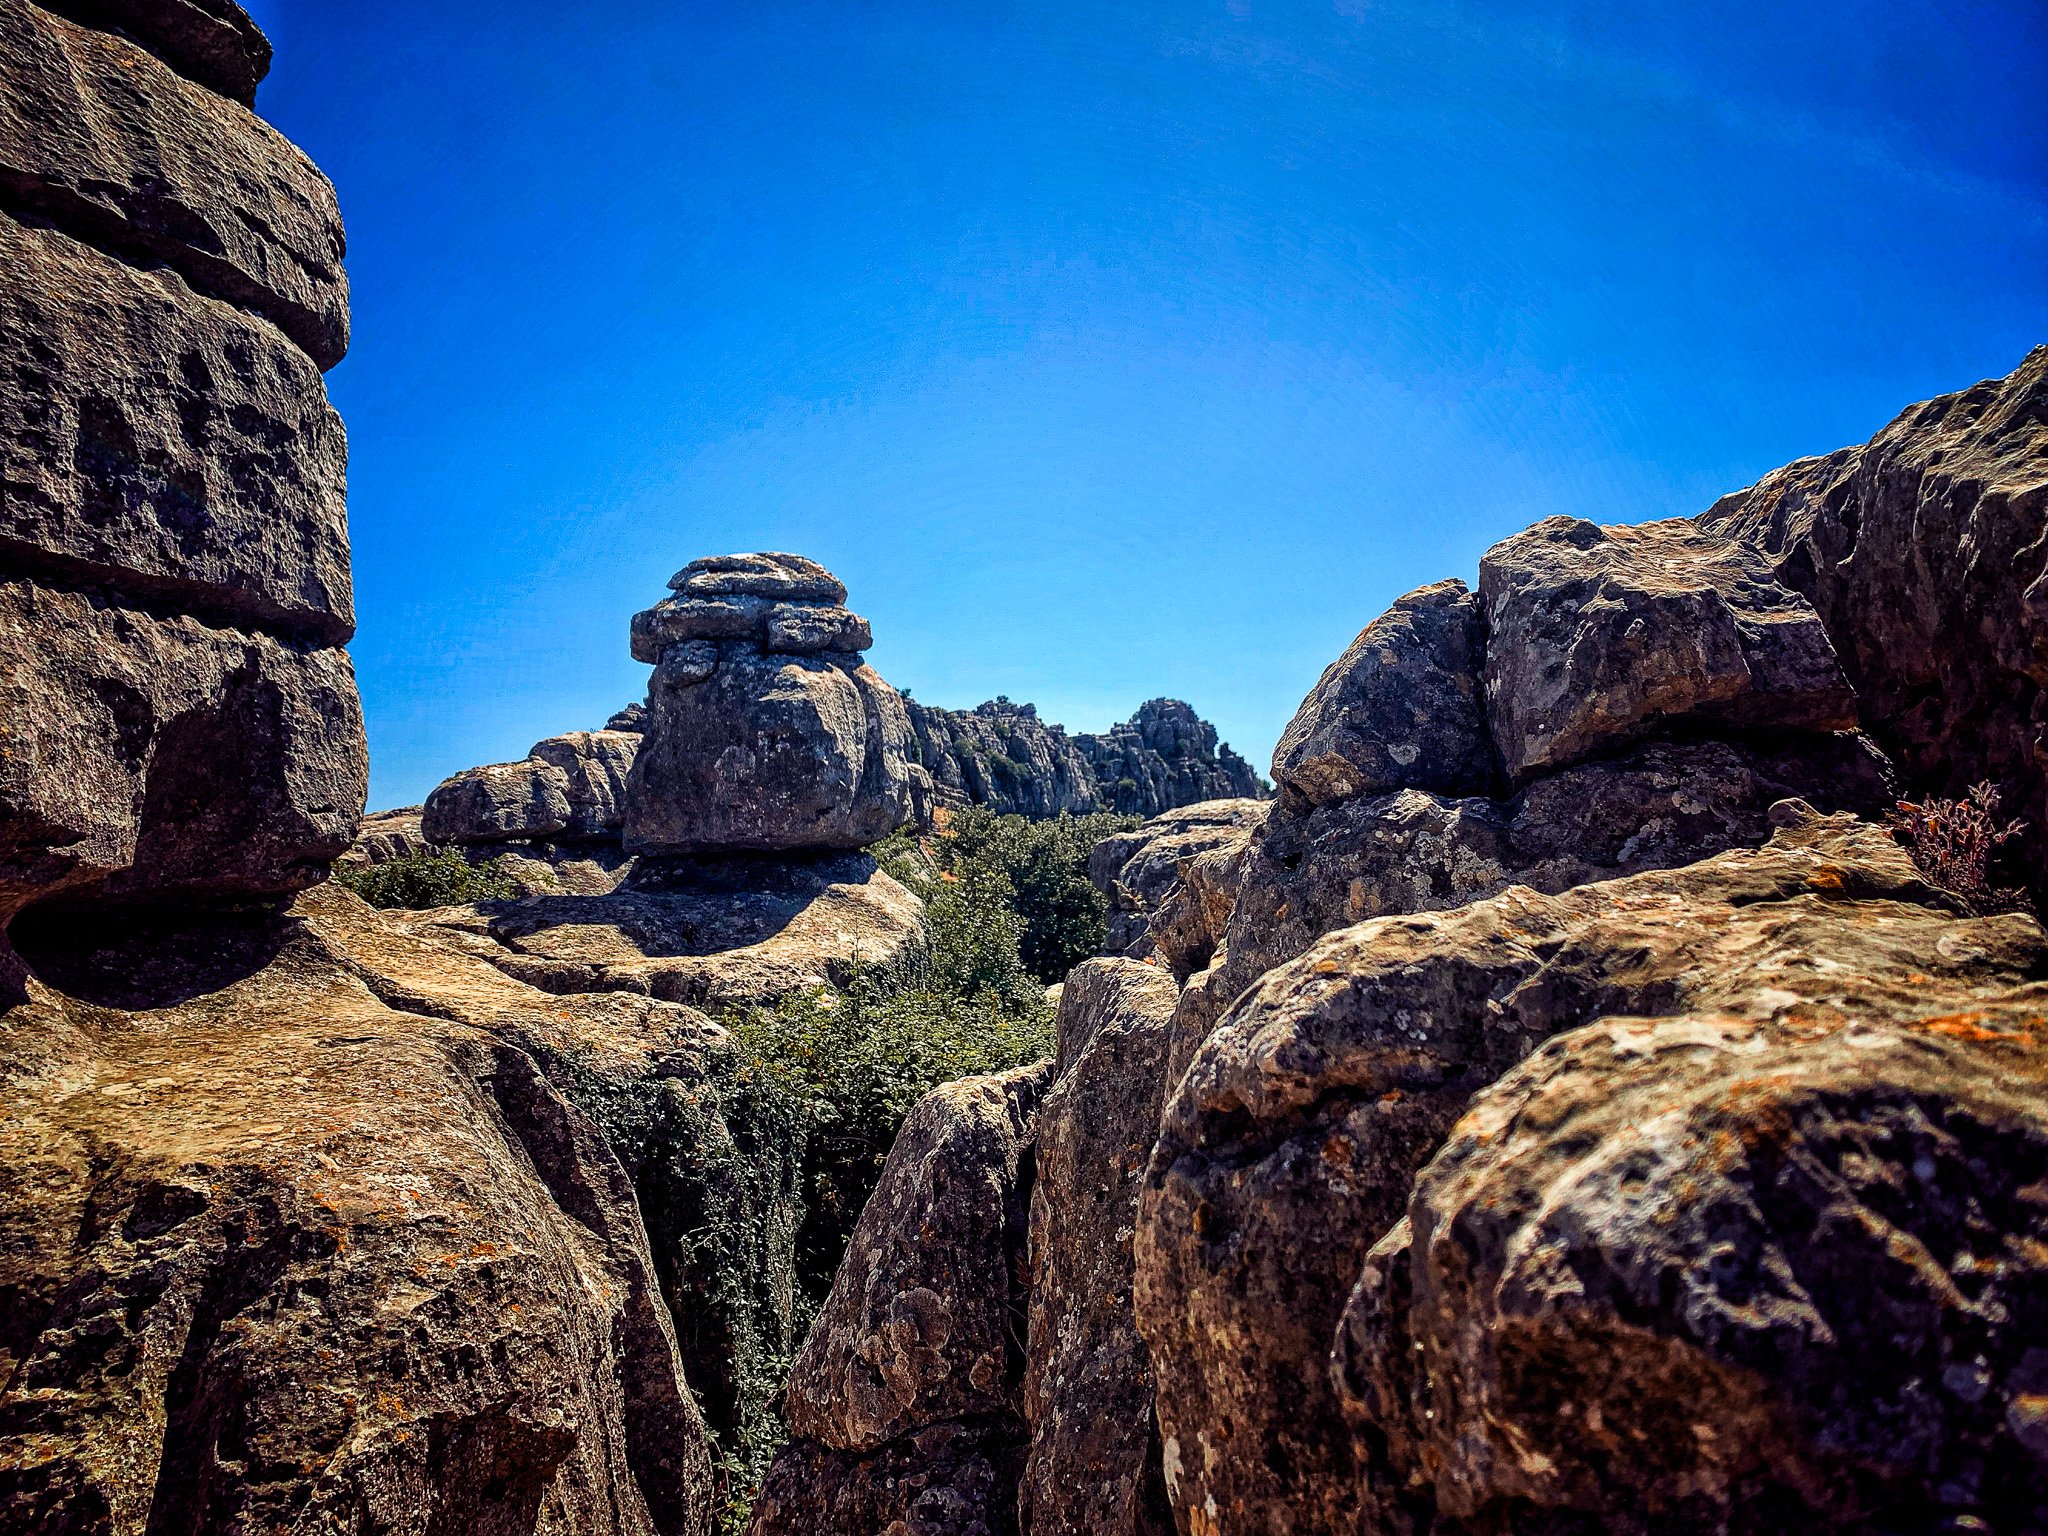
{"type": "Point", "coordinates": [1921, 551]}
{"type": "Point", "coordinates": [1002, 756]}
{"type": "Point", "coordinates": [174, 575]}
{"type": "Point", "coordinates": [714, 934]}
{"type": "Point", "coordinates": [569, 787]}
{"type": "Point", "coordinates": [1140, 871]}
{"type": "Point", "coordinates": [913, 1362]}
{"type": "Point", "coordinates": [212, 42]}
{"type": "Point", "coordinates": [764, 730]}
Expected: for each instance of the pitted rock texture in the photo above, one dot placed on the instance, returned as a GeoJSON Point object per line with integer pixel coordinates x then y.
{"type": "Point", "coordinates": [1400, 709]}
{"type": "Point", "coordinates": [145, 755]}
{"type": "Point", "coordinates": [1335, 1079]}
{"type": "Point", "coordinates": [904, 1404]}
{"type": "Point", "coordinates": [210, 41]}
{"type": "Point", "coordinates": [1734, 1274]}
{"type": "Point", "coordinates": [760, 740]}
{"type": "Point", "coordinates": [1597, 635]}
{"type": "Point", "coordinates": [1656, 807]}
{"type": "Point", "coordinates": [1094, 1461]}
{"type": "Point", "coordinates": [113, 147]}
{"type": "Point", "coordinates": [288, 1256]}
{"type": "Point", "coordinates": [165, 443]}
{"type": "Point", "coordinates": [1922, 552]}
{"type": "Point", "coordinates": [709, 933]}
{"type": "Point", "coordinates": [1139, 871]}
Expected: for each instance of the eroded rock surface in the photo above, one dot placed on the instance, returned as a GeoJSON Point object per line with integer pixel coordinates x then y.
{"type": "Point", "coordinates": [1140, 870]}
{"type": "Point", "coordinates": [1336, 1078]}
{"type": "Point", "coordinates": [1922, 553]}
{"type": "Point", "coordinates": [211, 41]}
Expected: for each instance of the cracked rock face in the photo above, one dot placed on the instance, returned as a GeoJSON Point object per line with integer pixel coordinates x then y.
{"type": "Point", "coordinates": [764, 731]}
{"type": "Point", "coordinates": [1335, 1079]}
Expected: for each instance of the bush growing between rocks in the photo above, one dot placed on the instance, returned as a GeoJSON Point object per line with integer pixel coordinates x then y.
{"type": "Point", "coordinates": [1954, 843]}
{"type": "Point", "coordinates": [421, 880]}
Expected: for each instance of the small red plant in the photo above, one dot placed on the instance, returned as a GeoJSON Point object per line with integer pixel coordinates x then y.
{"type": "Point", "coordinates": [1952, 843]}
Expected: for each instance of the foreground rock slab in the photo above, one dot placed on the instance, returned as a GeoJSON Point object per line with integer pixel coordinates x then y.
{"type": "Point", "coordinates": [1335, 1079]}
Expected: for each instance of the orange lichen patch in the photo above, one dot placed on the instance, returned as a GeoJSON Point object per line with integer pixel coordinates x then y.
{"type": "Point", "coordinates": [2008, 1029]}
{"type": "Point", "coordinates": [1827, 878]}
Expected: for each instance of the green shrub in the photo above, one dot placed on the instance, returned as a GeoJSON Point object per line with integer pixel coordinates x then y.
{"type": "Point", "coordinates": [420, 880]}
{"type": "Point", "coordinates": [1045, 865]}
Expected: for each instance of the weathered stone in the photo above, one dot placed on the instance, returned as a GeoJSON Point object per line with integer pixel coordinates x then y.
{"type": "Point", "coordinates": [781, 578]}
{"type": "Point", "coordinates": [1720, 1273]}
{"type": "Point", "coordinates": [632, 718]}
{"type": "Point", "coordinates": [1332, 1081]}
{"type": "Point", "coordinates": [1660, 806]}
{"type": "Point", "coordinates": [1165, 755]}
{"type": "Point", "coordinates": [386, 835]}
{"type": "Point", "coordinates": [770, 753]}
{"type": "Point", "coordinates": [115, 148]}
{"type": "Point", "coordinates": [948, 1480]}
{"type": "Point", "coordinates": [1922, 553]}
{"type": "Point", "coordinates": [596, 765]}
{"type": "Point", "coordinates": [709, 934]}
{"type": "Point", "coordinates": [1598, 635]}
{"type": "Point", "coordinates": [165, 444]}
{"type": "Point", "coordinates": [1139, 870]}
{"type": "Point", "coordinates": [1094, 1462]}
{"type": "Point", "coordinates": [143, 755]}
{"type": "Point", "coordinates": [799, 629]}
{"type": "Point", "coordinates": [211, 41]}
{"type": "Point", "coordinates": [280, 1256]}
{"type": "Point", "coordinates": [920, 1327]}
{"type": "Point", "coordinates": [676, 620]}
{"type": "Point", "coordinates": [1400, 709]}
{"type": "Point", "coordinates": [1002, 756]}
{"type": "Point", "coordinates": [497, 802]}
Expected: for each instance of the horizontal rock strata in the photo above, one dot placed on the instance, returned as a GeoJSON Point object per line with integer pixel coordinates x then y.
{"type": "Point", "coordinates": [212, 42]}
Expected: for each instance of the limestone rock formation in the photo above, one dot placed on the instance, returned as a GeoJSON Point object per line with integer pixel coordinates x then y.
{"type": "Point", "coordinates": [1002, 756]}
{"type": "Point", "coordinates": [1596, 635]}
{"type": "Point", "coordinates": [709, 933]}
{"type": "Point", "coordinates": [917, 1344]}
{"type": "Point", "coordinates": [1087, 1390]}
{"type": "Point", "coordinates": [1922, 553]}
{"type": "Point", "coordinates": [1333, 1081]}
{"type": "Point", "coordinates": [764, 730]}
{"type": "Point", "coordinates": [569, 787]}
{"type": "Point", "coordinates": [1400, 709]}
{"type": "Point", "coordinates": [212, 42]}
{"type": "Point", "coordinates": [1139, 871]}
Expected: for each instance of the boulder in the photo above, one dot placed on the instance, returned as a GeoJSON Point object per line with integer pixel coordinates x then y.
{"type": "Point", "coordinates": [769, 753]}
{"type": "Point", "coordinates": [1094, 1459]}
{"type": "Point", "coordinates": [1719, 1273]}
{"type": "Point", "coordinates": [904, 1403]}
{"type": "Point", "coordinates": [498, 802]}
{"type": "Point", "coordinates": [156, 756]}
{"type": "Point", "coordinates": [1922, 553]}
{"type": "Point", "coordinates": [711, 934]}
{"type": "Point", "coordinates": [1138, 871]}
{"type": "Point", "coordinates": [1327, 1086]}
{"type": "Point", "coordinates": [1400, 709]}
{"type": "Point", "coordinates": [115, 148]}
{"type": "Point", "coordinates": [1599, 635]}
{"type": "Point", "coordinates": [166, 444]}
{"type": "Point", "coordinates": [633, 719]}
{"type": "Point", "coordinates": [383, 836]}
{"type": "Point", "coordinates": [596, 765]}
{"type": "Point", "coordinates": [212, 42]}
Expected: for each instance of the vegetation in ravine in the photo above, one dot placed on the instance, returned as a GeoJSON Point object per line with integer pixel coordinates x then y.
{"type": "Point", "coordinates": [437, 878]}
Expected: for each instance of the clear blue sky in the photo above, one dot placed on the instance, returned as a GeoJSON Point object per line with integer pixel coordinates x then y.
{"type": "Point", "coordinates": [1105, 349]}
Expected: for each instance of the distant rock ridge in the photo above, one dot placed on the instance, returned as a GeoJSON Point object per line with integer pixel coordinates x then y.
{"type": "Point", "coordinates": [1001, 755]}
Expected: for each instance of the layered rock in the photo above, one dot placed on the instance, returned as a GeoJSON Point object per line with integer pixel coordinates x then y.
{"type": "Point", "coordinates": [569, 787]}
{"type": "Point", "coordinates": [212, 42]}
{"type": "Point", "coordinates": [764, 731]}
{"type": "Point", "coordinates": [1922, 553]}
{"type": "Point", "coordinates": [1002, 756]}
{"type": "Point", "coordinates": [173, 544]}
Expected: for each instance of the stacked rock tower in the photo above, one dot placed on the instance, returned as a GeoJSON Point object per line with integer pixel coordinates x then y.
{"type": "Point", "coordinates": [765, 732]}
{"type": "Point", "coordinates": [177, 717]}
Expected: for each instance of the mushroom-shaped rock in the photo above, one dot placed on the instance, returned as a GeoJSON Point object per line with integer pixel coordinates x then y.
{"type": "Point", "coordinates": [1595, 635]}
{"type": "Point", "coordinates": [764, 732]}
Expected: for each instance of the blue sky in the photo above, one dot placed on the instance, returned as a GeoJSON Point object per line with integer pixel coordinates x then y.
{"type": "Point", "coordinates": [1109, 350]}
